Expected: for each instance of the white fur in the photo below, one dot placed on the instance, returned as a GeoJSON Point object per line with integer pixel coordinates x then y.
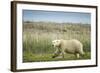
{"type": "Point", "coordinates": [68, 46]}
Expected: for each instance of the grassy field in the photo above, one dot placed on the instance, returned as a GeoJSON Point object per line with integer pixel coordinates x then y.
{"type": "Point", "coordinates": [29, 57]}
{"type": "Point", "coordinates": [37, 37]}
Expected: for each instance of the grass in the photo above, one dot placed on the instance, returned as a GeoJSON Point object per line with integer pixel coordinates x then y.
{"type": "Point", "coordinates": [37, 37]}
{"type": "Point", "coordinates": [48, 57]}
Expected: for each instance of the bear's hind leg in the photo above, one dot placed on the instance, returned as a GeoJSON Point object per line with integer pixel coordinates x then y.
{"type": "Point", "coordinates": [62, 54]}
{"type": "Point", "coordinates": [77, 55]}
{"type": "Point", "coordinates": [82, 54]}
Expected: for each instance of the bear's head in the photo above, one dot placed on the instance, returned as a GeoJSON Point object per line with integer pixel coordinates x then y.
{"type": "Point", "coordinates": [56, 43]}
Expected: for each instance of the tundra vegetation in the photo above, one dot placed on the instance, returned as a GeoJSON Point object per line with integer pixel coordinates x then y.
{"type": "Point", "coordinates": [38, 36]}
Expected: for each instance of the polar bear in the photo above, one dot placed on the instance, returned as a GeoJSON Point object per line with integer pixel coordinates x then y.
{"type": "Point", "coordinates": [72, 46]}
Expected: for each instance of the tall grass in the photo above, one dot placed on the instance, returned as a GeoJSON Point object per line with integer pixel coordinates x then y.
{"type": "Point", "coordinates": [37, 37]}
{"type": "Point", "coordinates": [37, 43]}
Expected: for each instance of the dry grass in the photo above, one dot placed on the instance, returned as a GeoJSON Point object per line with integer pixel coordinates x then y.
{"type": "Point", "coordinates": [37, 37]}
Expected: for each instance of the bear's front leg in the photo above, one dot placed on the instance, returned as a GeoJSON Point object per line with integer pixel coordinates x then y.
{"type": "Point", "coordinates": [57, 53]}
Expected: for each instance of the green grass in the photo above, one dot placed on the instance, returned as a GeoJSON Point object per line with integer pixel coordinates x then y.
{"type": "Point", "coordinates": [37, 38]}
{"type": "Point", "coordinates": [48, 57]}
